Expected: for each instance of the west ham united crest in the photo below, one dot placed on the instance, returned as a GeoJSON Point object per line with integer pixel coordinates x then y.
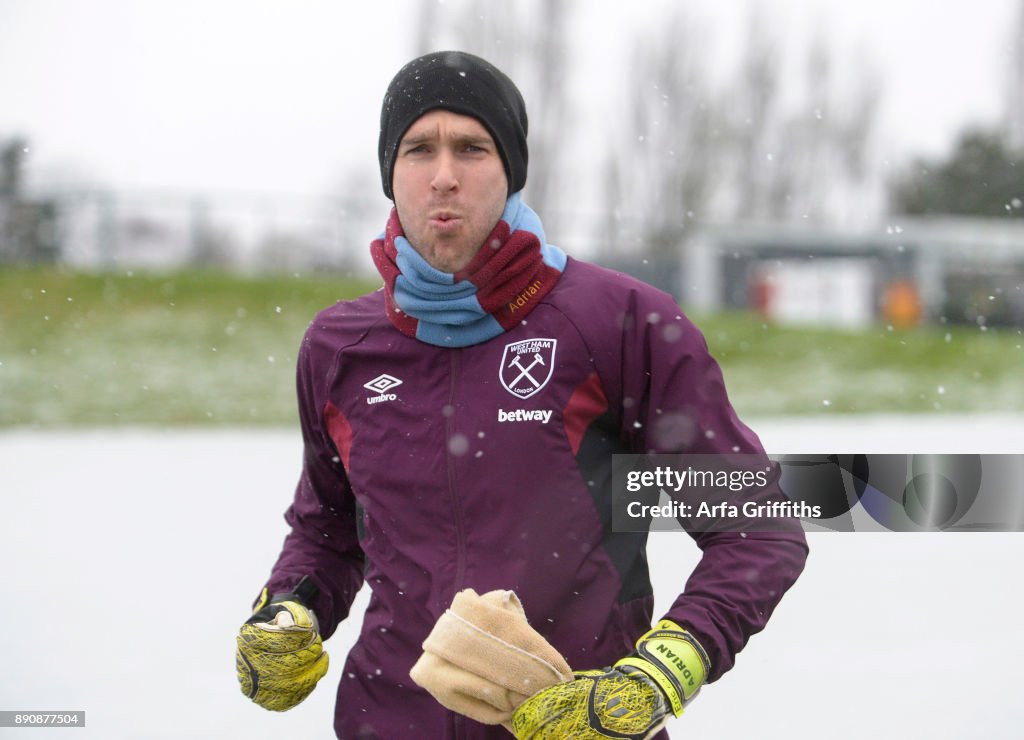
{"type": "Point", "coordinates": [526, 366]}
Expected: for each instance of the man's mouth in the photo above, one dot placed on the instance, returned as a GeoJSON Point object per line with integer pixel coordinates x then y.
{"type": "Point", "coordinates": [444, 220]}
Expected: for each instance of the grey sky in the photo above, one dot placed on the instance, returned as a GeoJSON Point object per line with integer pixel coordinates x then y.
{"type": "Point", "coordinates": [284, 96]}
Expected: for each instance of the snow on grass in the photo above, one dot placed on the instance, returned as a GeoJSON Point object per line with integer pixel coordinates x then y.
{"type": "Point", "coordinates": [205, 348]}
{"type": "Point", "coordinates": [131, 557]}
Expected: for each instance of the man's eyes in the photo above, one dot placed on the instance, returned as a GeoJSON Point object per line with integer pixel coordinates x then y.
{"type": "Point", "coordinates": [426, 149]}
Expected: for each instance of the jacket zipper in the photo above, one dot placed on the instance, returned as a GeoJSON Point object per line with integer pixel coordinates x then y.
{"type": "Point", "coordinates": [458, 726]}
{"type": "Point", "coordinates": [460, 535]}
{"type": "Point", "coordinates": [456, 723]}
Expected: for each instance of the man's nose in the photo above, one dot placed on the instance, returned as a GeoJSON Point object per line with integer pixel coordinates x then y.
{"type": "Point", "coordinates": [445, 177]}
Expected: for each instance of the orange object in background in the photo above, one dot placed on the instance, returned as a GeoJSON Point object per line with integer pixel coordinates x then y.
{"type": "Point", "coordinates": [901, 304]}
{"type": "Point", "coordinates": [760, 294]}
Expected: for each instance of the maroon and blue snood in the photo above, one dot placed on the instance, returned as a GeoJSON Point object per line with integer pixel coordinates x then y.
{"type": "Point", "coordinates": [514, 269]}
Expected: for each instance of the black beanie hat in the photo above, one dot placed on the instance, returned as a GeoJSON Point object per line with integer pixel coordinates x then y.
{"type": "Point", "coordinates": [461, 83]}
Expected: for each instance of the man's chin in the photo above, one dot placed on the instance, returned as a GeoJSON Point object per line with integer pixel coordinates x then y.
{"type": "Point", "coordinates": [449, 258]}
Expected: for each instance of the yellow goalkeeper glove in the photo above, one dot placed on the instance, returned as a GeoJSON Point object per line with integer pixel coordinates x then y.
{"type": "Point", "coordinates": [631, 700]}
{"type": "Point", "coordinates": [280, 656]}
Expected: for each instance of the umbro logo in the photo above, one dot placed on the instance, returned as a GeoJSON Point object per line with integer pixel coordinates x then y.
{"type": "Point", "coordinates": [381, 385]}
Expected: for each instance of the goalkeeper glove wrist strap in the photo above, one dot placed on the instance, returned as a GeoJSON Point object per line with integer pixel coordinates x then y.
{"type": "Point", "coordinates": [673, 659]}
{"type": "Point", "coordinates": [303, 593]}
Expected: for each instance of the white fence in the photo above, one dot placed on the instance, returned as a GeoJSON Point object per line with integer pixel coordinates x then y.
{"type": "Point", "coordinates": [243, 231]}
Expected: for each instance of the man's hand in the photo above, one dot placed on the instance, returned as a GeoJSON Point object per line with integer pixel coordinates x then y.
{"type": "Point", "coordinates": [631, 700]}
{"type": "Point", "coordinates": [280, 655]}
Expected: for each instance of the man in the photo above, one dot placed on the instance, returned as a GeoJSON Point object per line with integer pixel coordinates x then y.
{"type": "Point", "coordinates": [459, 427]}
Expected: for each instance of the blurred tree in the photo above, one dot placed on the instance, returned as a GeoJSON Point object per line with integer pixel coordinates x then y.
{"type": "Point", "coordinates": [28, 227]}
{"type": "Point", "coordinates": [821, 157]}
{"type": "Point", "coordinates": [748, 152]}
{"type": "Point", "coordinates": [1014, 121]}
{"type": "Point", "coordinates": [12, 157]}
{"type": "Point", "coordinates": [763, 179]}
{"type": "Point", "coordinates": [427, 26]}
{"type": "Point", "coordinates": [669, 169]}
{"type": "Point", "coordinates": [984, 173]}
{"type": "Point", "coordinates": [981, 177]}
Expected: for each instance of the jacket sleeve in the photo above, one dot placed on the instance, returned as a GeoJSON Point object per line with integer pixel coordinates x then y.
{"type": "Point", "coordinates": [323, 542]}
{"type": "Point", "coordinates": [674, 400]}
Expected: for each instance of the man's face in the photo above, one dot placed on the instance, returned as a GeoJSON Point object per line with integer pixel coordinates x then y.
{"type": "Point", "coordinates": [449, 186]}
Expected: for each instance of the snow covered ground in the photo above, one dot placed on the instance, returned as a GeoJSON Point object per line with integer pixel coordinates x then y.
{"type": "Point", "coordinates": [129, 558]}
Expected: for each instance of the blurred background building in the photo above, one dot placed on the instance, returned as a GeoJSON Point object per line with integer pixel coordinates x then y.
{"type": "Point", "coordinates": [940, 269]}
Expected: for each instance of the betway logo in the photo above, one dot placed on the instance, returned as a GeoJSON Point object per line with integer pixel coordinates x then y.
{"type": "Point", "coordinates": [381, 385]}
{"type": "Point", "coordinates": [522, 415]}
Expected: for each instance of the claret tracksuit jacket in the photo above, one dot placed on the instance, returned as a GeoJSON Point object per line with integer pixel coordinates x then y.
{"type": "Point", "coordinates": [429, 469]}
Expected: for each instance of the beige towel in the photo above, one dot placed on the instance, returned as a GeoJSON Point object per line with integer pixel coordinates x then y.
{"type": "Point", "coordinates": [483, 659]}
